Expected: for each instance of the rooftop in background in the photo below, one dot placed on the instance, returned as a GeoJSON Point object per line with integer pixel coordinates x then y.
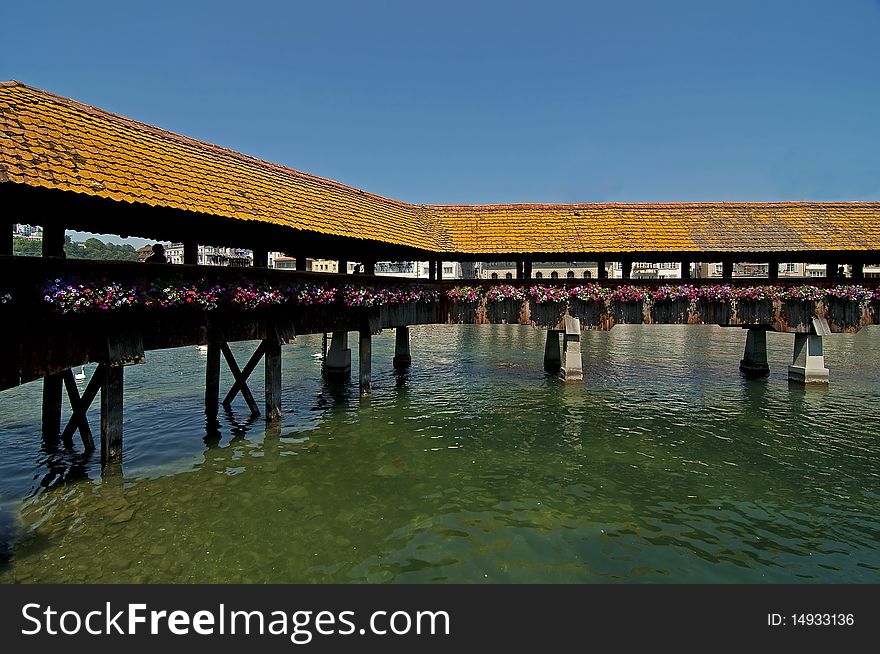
{"type": "Point", "coordinates": [51, 142]}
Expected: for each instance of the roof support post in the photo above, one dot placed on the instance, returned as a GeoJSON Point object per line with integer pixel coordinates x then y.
{"type": "Point", "coordinates": [439, 264]}
{"type": "Point", "coordinates": [685, 269]}
{"type": "Point", "coordinates": [831, 269]}
{"type": "Point", "coordinates": [858, 270]}
{"type": "Point", "coordinates": [6, 239]}
{"type": "Point", "coordinates": [191, 253]}
{"type": "Point", "coordinates": [626, 267]}
{"type": "Point", "coordinates": [261, 257]}
{"type": "Point", "coordinates": [342, 266]}
{"type": "Point", "coordinates": [773, 269]}
{"type": "Point", "coordinates": [432, 271]}
{"type": "Point", "coordinates": [727, 269]}
{"type": "Point", "coordinates": [53, 241]}
{"type": "Point", "coordinates": [301, 264]}
{"type": "Point", "coordinates": [370, 268]}
{"type": "Point", "coordinates": [527, 270]}
{"type": "Point", "coordinates": [520, 270]}
{"type": "Point", "coordinates": [601, 270]}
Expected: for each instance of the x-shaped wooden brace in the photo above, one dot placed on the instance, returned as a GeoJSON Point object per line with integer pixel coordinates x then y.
{"type": "Point", "coordinates": [80, 405]}
{"type": "Point", "coordinates": [241, 377]}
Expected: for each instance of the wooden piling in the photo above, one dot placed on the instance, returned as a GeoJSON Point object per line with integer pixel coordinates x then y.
{"type": "Point", "coordinates": [402, 357]}
{"type": "Point", "coordinates": [273, 377]}
{"type": "Point", "coordinates": [212, 380]}
{"type": "Point", "coordinates": [365, 354]}
{"type": "Point", "coordinates": [111, 414]}
{"type": "Point", "coordinates": [52, 391]}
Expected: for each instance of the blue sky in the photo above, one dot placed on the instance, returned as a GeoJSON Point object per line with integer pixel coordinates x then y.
{"type": "Point", "coordinates": [491, 101]}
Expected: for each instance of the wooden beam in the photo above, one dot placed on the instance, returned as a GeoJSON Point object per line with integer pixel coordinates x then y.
{"type": "Point", "coordinates": [685, 269]}
{"type": "Point", "coordinates": [342, 266]}
{"type": "Point", "coordinates": [241, 377]}
{"type": "Point", "coordinates": [111, 414]}
{"type": "Point", "coordinates": [261, 258]}
{"type": "Point", "coordinates": [52, 385]}
{"type": "Point", "coordinates": [727, 269]}
{"type": "Point", "coordinates": [626, 269]}
{"type": "Point", "coordinates": [773, 269]}
{"type": "Point", "coordinates": [602, 271]}
{"type": "Point", "coordinates": [301, 264]}
{"type": "Point", "coordinates": [365, 355]}
{"type": "Point", "coordinates": [190, 252]}
{"type": "Point", "coordinates": [80, 406]}
{"type": "Point", "coordinates": [273, 376]}
{"type": "Point", "coordinates": [6, 239]}
{"type": "Point", "coordinates": [53, 241]}
{"type": "Point", "coordinates": [212, 380]}
{"type": "Point", "coordinates": [858, 270]}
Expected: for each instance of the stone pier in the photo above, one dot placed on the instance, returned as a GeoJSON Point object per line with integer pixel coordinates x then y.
{"type": "Point", "coordinates": [552, 352]}
{"type": "Point", "coordinates": [402, 357]}
{"type": "Point", "coordinates": [754, 362]}
{"type": "Point", "coordinates": [808, 362]}
{"type": "Point", "coordinates": [337, 363]}
{"type": "Point", "coordinates": [572, 368]}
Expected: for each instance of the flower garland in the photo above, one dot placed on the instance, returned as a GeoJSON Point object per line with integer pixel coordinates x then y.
{"type": "Point", "coordinates": [72, 295]}
{"type": "Point", "coordinates": [627, 293]}
{"type": "Point", "coordinates": [803, 293]}
{"type": "Point", "coordinates": [854, 293]}
{"type": "Point", "coordinates": [548, 294]}
{"type": "Point", "coordinates": [589, 293]}
{"type": "Point", "coordinates": [505, 292]}
{"type": "Point", "coordinates": [668, 293]}
{"type": "Point", "coordinates": [465, 294]}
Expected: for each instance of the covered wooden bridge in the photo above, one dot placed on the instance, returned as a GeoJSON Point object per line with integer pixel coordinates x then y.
{"type": "Point", "coordinates": [68, 166]}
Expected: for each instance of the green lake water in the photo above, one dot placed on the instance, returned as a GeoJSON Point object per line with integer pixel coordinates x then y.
{"type": "Point", "coordinates": [664, 465]}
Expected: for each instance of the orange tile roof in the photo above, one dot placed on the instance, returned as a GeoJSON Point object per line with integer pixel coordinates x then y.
{"type": "Point", "coordinates": [53, 142]}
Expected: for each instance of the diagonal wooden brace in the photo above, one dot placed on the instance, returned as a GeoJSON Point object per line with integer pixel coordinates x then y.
{"type": "Point", "coordinates": [80, 405]}
{"type": "Point", "coordinates": [241, 377]}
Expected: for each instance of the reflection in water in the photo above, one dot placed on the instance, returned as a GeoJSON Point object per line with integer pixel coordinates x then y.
{"type": "Point", "coordinates": [664, 465]}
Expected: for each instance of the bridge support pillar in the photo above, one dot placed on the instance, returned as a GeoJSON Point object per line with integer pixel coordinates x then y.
{"type": "Point", "coordinates": [272, 363]}
{"type": "Point", "coordinates": [365, 362]}
{"type": "Point", "coordinates": [402, 357]}
{"type": "Point", "coordinates": [337, 363]}
{"type": "Point", "coordinates": [111, 414]}
{"type": "Point", "coordinates": [754, 362]}
{"type": "Point", "coordinates": [212, 381]}
{"type": "Point", "coordinates": [808, 362]}
{"type": "Point", "coordinates": [552, 352]}
{"type": "Point", "coordinates": [572, 368]}
{"type": "Point", "coordinates": [52, 385]}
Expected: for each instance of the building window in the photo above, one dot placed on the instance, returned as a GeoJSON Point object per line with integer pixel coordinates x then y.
{"type": "Point", "coordinates": [790, 267]}
{"type": "Point", "coordinates": [494, 275]}
{"type": "Point", "coordinates": [539, 275]}
{"type": "Point", "coordinates": [570, 274]}
{"type": "Point", "coordinates": [587, 274]}
{"type": "Point", "coordinates": [509, 276]}
{"type": "Point", "coordinates": [554, 275]}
